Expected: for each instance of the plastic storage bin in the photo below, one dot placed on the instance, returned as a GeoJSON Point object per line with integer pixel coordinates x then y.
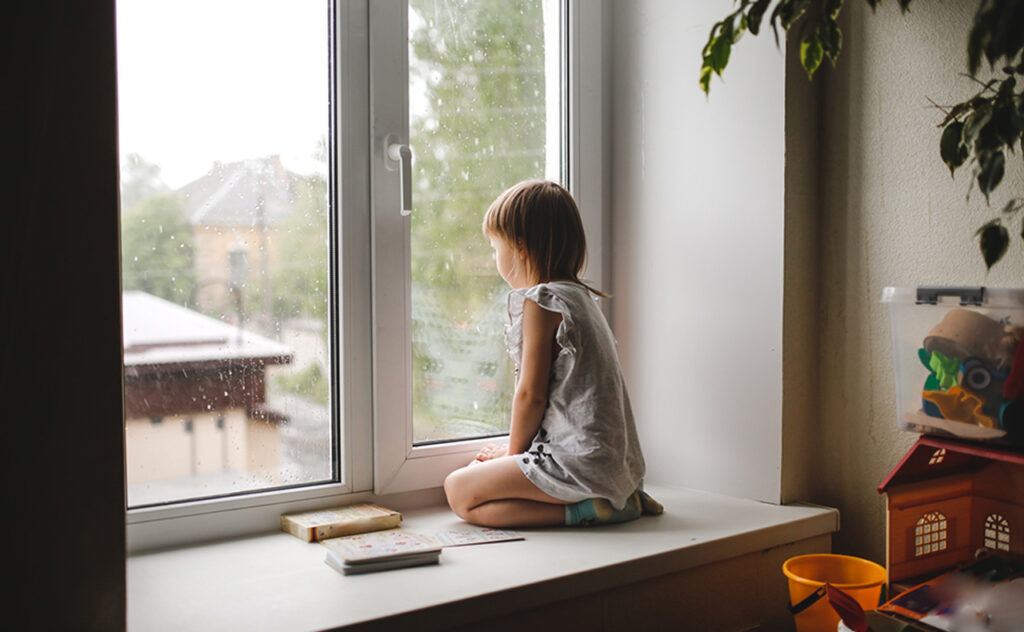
{"type": "Point", "coordinates": [959, 361]}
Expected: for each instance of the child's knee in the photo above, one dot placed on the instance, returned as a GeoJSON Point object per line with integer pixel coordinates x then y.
{"type": "Point", "coordinates": [454, 492]}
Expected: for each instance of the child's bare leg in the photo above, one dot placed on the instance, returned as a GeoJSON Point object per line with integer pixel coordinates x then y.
{"type": "Point", "coordinates": [516, 513]}
{"type": "Point", "coordinates": [496, 493]}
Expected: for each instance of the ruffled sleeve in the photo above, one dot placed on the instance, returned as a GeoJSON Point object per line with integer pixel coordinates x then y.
{"type": "Point", "coordinates": [544, 296]}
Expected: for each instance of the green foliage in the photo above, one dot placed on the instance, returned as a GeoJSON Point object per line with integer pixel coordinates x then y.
{"type": "Point", "coordinates": [478, 126]}
{"type": "Point", "coordinates": [994, 240]}
{"type": "Point", "coordinates": [308, 383]}
{"type": "Point", "coordinates": [157, 249]}
{"type": "Point", "coordinates": [821, 36]}
{"type": "Point", "coordinates": [982, 130]}
{"type": "Point", "coordinates": [978, 132]}
{"type": "Point", "coordinates": [994, 236]}
{"type": "Point", "coordinates": [480, 69]}
{"type": "Point", "coordinates": [997, 34]}
{"type": "Point", "coordinates": [140, 179]}
{"type": "Point", "coordinates": [300, 278]}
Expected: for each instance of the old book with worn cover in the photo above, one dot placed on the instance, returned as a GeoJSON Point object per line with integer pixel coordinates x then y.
{"type": "Point", "coordinates": [314, 526]}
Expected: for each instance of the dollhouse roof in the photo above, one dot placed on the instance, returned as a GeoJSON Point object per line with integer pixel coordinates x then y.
{"type": "Point", "coordinates": [932, 457]}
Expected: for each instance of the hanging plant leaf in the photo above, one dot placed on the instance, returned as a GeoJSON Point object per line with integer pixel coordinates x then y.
{"type": "Point", "coordinates": [991, 165]}
{"type": "Point", "coordinates": [1006, 125]}
{"type": "Point", "coordinates": [720, 54]}
{"type": "Point", "coordinates": [832, 8]}
{"type": "Point", "coordinates": [811, 52]}
{"type": "Point", "coordinates": [975, 122]}
{"type": "Point", "coordinates": [711, 39]}
{"type": "Point", "coordinates": [831, 39]}
{"type": "Point", "coordinates": [755, 15]}
{"type": "Point", "coordinates": [1006, 87]}
{"type": "Point", "coordinates": [1012, 206]}
{"type": "Point", "coordinates": [789, 11]}
{"type": "Point", "coordinates": [975, 44]}
{"type": "Point", "coordinates": [955, 113]}
{"type": "Point", "coordinates": [952, 152]}
{"type": "Point", "coordinates": [994, 242]}
{"type": "Point", "coordinates": [705, 78]}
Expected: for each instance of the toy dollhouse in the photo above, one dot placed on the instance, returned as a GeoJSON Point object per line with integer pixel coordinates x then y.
{"type": "Point", "coordinates": [949, 499]}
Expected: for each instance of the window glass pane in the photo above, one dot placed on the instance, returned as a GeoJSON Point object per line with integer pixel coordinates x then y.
{"type": "Point", "coordinates": [223, 110]}
{"type": "Point", "coordinates": [485, 113]}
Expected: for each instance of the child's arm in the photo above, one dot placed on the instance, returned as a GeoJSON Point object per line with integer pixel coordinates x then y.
{"type": "Point", "coordinates": [531, 397]}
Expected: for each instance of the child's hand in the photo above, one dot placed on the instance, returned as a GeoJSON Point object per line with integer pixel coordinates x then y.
{"type": "Point", "coordinates": [491, 451]}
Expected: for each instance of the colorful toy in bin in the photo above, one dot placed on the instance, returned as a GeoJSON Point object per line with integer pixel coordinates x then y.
{"type": "Point", "coordinates": [970, 358]}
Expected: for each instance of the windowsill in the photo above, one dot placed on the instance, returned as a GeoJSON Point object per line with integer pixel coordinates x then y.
{"type": "Point", "coordinates": [278, 582]}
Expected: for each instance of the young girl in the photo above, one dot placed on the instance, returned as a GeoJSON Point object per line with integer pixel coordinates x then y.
{"type": "Point", "coordinates": [573, 455]}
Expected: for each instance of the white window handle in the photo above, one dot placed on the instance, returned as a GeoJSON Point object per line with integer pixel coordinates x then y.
{"type": "Point", "coordinates": [402, 154]}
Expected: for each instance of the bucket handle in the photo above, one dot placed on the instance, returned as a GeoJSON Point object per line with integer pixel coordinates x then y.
{"type": "Point", "coordinates": [807, 601]}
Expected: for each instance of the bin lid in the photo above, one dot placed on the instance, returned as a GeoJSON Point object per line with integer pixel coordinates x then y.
{"type": "Point", "coordinates": [988, 296]}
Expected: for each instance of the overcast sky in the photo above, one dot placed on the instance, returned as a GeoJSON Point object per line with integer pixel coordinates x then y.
{"type": "Point", "coordinates": [205, 80]}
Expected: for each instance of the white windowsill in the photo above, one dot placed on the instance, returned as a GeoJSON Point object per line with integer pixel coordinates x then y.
{"type": "Point", "coordinates": [278, 582]}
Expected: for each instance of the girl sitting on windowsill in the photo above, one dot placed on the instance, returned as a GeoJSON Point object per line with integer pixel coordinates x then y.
{"type": "Point", "coordinates": [573, 455]}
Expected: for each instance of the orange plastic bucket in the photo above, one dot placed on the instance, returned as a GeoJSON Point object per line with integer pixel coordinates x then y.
{"type": "Point", "coordinates": [807, 574]}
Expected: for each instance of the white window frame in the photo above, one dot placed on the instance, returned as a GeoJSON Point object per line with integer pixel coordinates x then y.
{"type": "Point", "coordinates": [373, 332]}
{"type": "Point", "coordinates": [399, 465]}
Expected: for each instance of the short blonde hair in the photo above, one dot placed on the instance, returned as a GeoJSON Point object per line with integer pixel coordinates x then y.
{"type": "Point", "coordinates": [542, 218]}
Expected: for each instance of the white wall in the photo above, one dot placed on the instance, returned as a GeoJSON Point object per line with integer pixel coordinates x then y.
{"type": "Point", "coordinates": [697, 247]}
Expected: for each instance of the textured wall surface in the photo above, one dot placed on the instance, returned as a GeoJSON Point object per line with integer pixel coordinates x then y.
{"type": "Point", "coordinates": [890, 215]}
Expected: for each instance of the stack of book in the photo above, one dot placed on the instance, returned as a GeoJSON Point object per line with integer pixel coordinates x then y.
{"type": "Point", "coordinates": [381, 550]}
{"type": "Point", "coordinates": [364, 537]}
{"type": "Point", "coordinates": [315, 526]}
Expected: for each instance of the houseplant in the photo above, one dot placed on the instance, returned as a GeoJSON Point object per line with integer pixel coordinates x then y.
{"type": "Point", "coordinates": [982, 132]}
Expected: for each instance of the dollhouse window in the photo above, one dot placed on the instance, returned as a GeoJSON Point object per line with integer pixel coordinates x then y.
{"type": "Point", "coordinates": [937, 458]}
{"type": "Point", "coordinates": [930, 534]}
{"type": "Point", "coordinates": [997, 533]}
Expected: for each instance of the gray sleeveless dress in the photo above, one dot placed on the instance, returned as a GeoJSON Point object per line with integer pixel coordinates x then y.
{"type": "Point", "coordinates": [587, 445]}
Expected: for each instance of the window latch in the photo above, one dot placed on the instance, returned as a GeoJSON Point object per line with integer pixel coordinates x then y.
{"type": "Point", "coordinates": [400, 157]}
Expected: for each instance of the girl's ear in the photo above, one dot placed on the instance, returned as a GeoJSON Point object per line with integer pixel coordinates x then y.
{"type": "Point", "coordinates": [521, 248]}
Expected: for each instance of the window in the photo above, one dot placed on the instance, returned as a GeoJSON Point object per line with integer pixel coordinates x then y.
{"type": "Point", "coordinates": [930, 534]}
{"type": "Point", "coordinates": [318, 339]}
{"type": "Point", "coordinates": [225, 220]}
{"type": "Point", "coordinates": [997, 533]}
{"type": "Point", "coordinates": [485, 113]}
{"type": "Point", "coordinates": [937, 457]}
{"type": "Point", "coordinates": [488, 103]}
